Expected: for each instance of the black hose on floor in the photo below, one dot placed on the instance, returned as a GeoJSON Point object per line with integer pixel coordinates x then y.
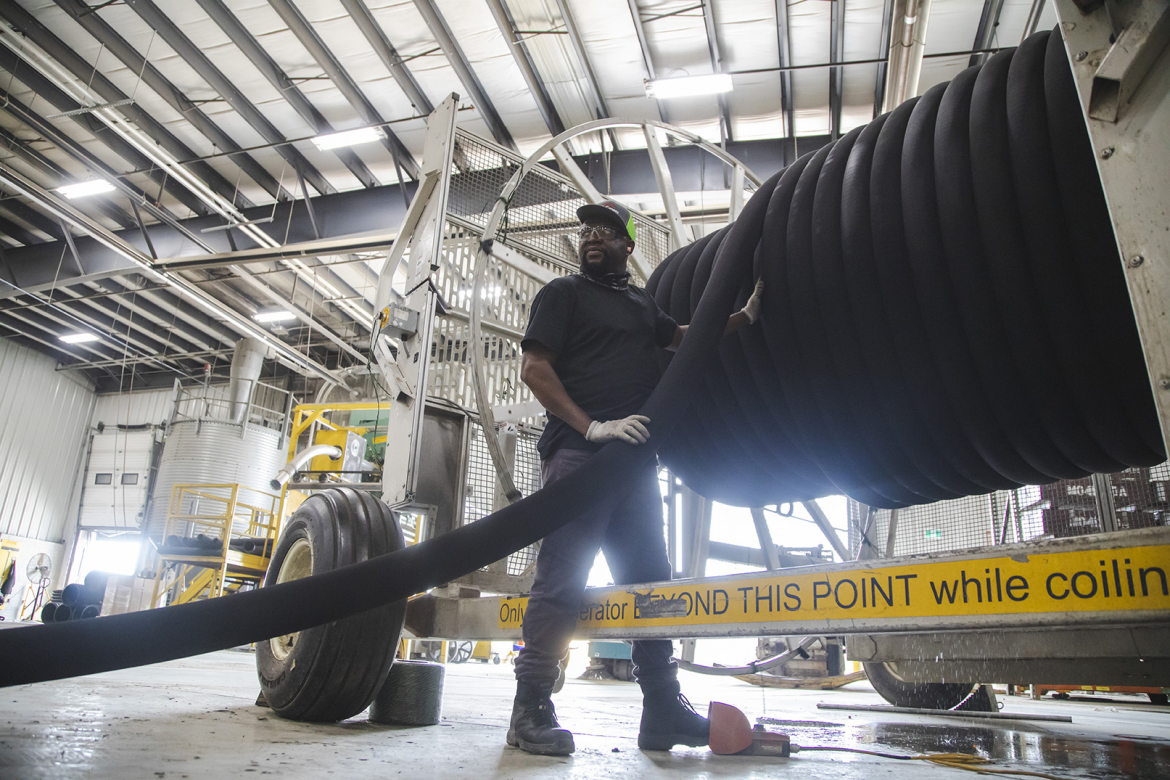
{"type": "Point", "coordinates": [913, 346]}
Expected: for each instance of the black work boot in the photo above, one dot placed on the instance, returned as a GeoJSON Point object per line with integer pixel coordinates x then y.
{"type": "Point", "coordinates": [534, 726]}
{"type": "Point", "coordinates": [668, 719]}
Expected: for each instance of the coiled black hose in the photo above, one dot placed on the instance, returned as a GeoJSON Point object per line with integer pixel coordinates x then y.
{"type": "Point", "coordinates": [945, 311]}
{"type": "Point", "coordinates": [878, 281]}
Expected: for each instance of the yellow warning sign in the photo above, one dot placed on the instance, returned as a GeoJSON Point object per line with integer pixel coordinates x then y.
{"type": "Point", "coordinates": [1132, 578]}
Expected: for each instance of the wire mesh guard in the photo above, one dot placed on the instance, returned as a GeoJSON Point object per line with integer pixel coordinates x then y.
{"type": "Point", "coordinates": [540, 222]}
{"type": "Point", "coordinates": [1138, 498]}
{"type": "Point", "coordinates": [541, 217]}
{"type": "Point", "coordinates": [480, 496]}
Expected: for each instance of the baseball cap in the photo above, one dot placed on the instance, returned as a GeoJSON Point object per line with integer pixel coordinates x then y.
{"type": "Point", "coordinates": [611, 212]}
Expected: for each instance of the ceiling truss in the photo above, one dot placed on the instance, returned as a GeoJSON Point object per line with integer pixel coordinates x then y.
{"type": "Point", "coordinates": [69, 112]}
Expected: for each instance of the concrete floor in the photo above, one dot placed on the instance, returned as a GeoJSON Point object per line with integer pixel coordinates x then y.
{"type": "Point", "coordinates": [195, 718]}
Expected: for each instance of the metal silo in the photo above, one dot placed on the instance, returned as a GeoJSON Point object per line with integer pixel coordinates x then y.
{"type": "Point", "coordinates": [220, 441]}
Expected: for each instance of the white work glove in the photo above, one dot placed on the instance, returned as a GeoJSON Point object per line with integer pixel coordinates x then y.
{"type": "Point", "coordinates": [631, 430]}
{"type": "Point", "coordinates": [751, 309]}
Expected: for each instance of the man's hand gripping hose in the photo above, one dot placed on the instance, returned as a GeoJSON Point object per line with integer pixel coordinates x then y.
{"type": "Point", "coordinates": [631, 430]}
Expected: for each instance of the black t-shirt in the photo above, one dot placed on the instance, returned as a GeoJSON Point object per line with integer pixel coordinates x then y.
{"type": "Point", "coordinates": [605, 340]}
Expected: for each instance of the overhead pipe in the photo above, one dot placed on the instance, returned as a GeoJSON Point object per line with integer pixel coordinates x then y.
{"type": "Point", "coordinates": [907, 45]}
{"type": "Point", "coordinates": [304, 456]}
{"type": "Point", "coordinates": [247, 362]}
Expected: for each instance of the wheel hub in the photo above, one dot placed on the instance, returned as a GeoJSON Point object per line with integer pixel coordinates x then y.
{"type": "Point", "coordinates": [297, 564]}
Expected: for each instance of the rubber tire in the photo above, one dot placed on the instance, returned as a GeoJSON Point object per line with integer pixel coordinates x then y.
{"type": "Point", "coordinates": [929, 696]}
{"type": "Point", "coordinates": [412, 695]}
{"type": "Point", "coordinates": [460, 652]}
{"type": "Point", "coordinates": [332, 672]}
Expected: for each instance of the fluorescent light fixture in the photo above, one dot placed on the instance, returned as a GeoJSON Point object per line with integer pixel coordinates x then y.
{"type": "Point", "coordinates": [274, 315]}
{"type": "Point", "coordinates": [79, 338]}
{"type": "Point", "coordinates": [85, 188]}
{"type": "Point", "coordinates": [689, 86]}
{"type": "Point", "coordinates": [363, 135]}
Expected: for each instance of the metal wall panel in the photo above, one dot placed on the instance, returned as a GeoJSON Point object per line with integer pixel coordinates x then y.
{"type": "Point", "coordinates": [147, 407]}
{"type": "Point", "coordinates": [44, 422]}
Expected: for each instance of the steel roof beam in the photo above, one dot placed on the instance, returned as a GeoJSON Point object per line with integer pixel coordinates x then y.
{"type": "Point", "coordinates": [837, 74]}
{"type": "Point", "coordinates": [256, 54]}
{"type": "Point", "coordinates": [717, 67]}
{"type": "Point", "coordinates": [149, 319]}
{"type": "Point", "coordinates": [109, 38]}
{"type": "Point", "coordinates": [79, 153]}
{"type": "Point", "coordinates": [139, 337]}
{"type": "Point", "coordinates": [462, 68]}
{"type": "Point", "coordinates": [52, 341]}
{"type": "Point", "coordinates": [64, 319]}
{"type": "Point", "coordinates": [200, 63]}
{"type": "Point", "coordinates": [31, 216]}
{"type": "Point", "coordinates": [236, 320]}
{"type": "Point", "coordinates": [507, 25]}
{"type": "Point", "coordinates": [600, 109]}
{"type": "Point", "coordinates": [389, 55]}
{"type": "Point", "coordinates": [647, 59]}
{"type": "Point", "coordinates": [985, 32]}
{"type": "Point", "coordinates": [17, 233]}
{"type": "Point", "coordinates": [96, 83]}
{"type": "Point", "coordinates": [312, 42]}
{"type": "Point", "coordinates": [61, 176]}
{"type": "Point", "coordinates": [62, 102]}
{"type": "Point", "coordinates": [196, 319]}
{"type": "Point", "coordinates": [784, 48]}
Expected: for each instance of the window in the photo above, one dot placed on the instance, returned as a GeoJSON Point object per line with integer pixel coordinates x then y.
{"type": "Point", "coordinates": [129, 479]}
{"type": "Point", "coordinates": [103, 479]}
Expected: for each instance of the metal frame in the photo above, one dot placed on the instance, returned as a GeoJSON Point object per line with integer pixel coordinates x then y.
{"type": "Point", "coordinates": [442, 245]}
{"type": "Point", "coordinates": [1133, 153]}
{"type": "Point", "coordinates": [186, 513]}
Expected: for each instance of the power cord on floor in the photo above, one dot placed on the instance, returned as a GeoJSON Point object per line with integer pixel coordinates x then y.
{"type": "Point", "coordinates": [953, 760]}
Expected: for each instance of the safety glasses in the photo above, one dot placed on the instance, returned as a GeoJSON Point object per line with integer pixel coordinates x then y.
{"type": "Point", "coordinates": [605, 232]}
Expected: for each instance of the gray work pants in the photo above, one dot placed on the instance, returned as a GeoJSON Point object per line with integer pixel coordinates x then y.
{"type": "Point", "coordinates": [631, 536]}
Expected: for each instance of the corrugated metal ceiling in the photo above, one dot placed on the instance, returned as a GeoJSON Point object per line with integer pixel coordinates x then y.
{"type": "Point", "coordinates": [248, 72]}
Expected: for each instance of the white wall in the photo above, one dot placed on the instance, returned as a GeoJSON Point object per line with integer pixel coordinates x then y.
{"type": "Point", "coordinates": [138, 408]}
{"type": "Point", "coordinates": [44, 431]}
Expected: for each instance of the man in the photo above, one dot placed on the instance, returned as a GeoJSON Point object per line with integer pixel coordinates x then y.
{"type": "Point", "coordinates": [589, 358]}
